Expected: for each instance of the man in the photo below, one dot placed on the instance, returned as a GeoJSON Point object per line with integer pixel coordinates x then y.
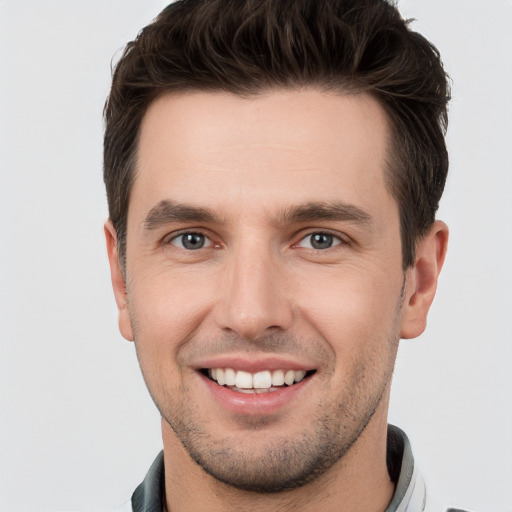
{"type": "Point", "coordinates": [273, 169]}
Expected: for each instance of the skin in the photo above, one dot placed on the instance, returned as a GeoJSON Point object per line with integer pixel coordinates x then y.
{"type": "Point", "coordinates": [259, 289]}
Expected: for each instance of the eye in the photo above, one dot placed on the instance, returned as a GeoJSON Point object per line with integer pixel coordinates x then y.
{"type": "Point", "coordinates": [319, 241]}
{"type": "Point", "coordinates": [191, 241]}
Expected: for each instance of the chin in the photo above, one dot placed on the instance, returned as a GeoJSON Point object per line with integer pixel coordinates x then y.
{"type": "Point", "coordinates": [255, 462]}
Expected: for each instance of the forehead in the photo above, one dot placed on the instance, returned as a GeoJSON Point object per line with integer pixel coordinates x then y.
{"type": "Point", "coordinates": [266, 151]}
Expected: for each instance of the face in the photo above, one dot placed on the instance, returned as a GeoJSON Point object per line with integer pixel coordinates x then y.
{"type": "Point", "coordinates": [264, 281]}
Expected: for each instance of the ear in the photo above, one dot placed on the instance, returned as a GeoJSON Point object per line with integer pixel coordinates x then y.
{"type": "Point", "coordinates": [118, 282]}
{"type": "Point", "coordinates": [421, 280]}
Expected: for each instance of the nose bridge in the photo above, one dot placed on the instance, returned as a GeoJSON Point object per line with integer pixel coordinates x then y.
{"type": "Point", "coordinates": [253, 298]}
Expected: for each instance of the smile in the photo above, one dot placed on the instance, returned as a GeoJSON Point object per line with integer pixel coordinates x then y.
{"type": "Point", "coordinates": [259, 382]}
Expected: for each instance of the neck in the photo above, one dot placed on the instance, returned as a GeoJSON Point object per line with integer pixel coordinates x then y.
{"type": "Point", "coordinates": [359, 481]}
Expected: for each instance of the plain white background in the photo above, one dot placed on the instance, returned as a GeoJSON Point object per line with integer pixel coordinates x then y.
{"type": "Point", "coordinates": [77, 427]}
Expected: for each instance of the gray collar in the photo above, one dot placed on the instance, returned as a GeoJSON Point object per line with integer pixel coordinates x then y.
{"type": "Point", "coordinates": [410, 493]}
{"type": "Point", "coordinates": [148, 497]}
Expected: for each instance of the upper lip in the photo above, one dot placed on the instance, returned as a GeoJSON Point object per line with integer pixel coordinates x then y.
{"type": "Point", "coordinates": [254, 364]}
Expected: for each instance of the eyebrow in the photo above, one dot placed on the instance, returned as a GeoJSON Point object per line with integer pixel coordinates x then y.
{"type": "Point", "coordinates": [167, 212]}
{"type": "Point", "coordinates": [328, 211]}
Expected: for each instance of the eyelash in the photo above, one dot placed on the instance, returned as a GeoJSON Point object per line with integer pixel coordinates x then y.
{"type": "Point", "coordinates": [336, 240]}
{"type": "Point", "coordinates": [179, 236]}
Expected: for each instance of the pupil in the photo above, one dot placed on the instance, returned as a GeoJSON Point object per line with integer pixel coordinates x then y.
{"type": "Point", "coordinates": [193, 241]}
{"type": "Point", "coordinates": [321, 241]}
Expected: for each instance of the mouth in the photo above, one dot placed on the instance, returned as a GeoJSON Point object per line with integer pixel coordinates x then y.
{"type": "Point", "coordinates": [266, 381]}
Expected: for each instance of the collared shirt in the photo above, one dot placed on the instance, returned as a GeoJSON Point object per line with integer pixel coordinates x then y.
{"type": "Point", "coordinates": [410, 493]}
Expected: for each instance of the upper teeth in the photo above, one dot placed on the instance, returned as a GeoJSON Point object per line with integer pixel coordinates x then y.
{"type": "Point", "coordinates": [259, 380]}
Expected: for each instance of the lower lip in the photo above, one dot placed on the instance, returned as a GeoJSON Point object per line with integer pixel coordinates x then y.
{"type": "Point", "coordinates": [255, 404]}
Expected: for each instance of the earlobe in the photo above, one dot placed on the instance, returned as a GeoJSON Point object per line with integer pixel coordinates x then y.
{"type": "Point", "coordinates": [118, 281]}
{"type": "Point", "coordinates": [421, 280]}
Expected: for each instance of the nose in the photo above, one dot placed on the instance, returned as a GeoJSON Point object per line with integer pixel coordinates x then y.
{"type": "Point", "coordinates": [254, 297]}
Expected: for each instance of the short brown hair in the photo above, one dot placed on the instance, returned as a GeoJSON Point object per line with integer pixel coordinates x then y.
{"type": "Point", "coordinates": [249, 46]}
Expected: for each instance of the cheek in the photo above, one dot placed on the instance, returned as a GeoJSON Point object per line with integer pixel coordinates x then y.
{"type": "Point", "coordinates": [166, 308]}
{"type": "Point", "coordinates": [162, 317]}
{"type": "Point", "coordinates": [353, 314]}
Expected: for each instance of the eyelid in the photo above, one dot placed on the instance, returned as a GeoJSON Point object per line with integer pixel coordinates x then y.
{"type": "Point", "coordinates": [170, 238]}
{"type": "Point", "coordinates": [341, 240]}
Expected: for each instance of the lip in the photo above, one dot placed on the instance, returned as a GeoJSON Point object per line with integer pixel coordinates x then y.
{"type": "Point", "coordinates": [253, 365]}
{"type": "Point", "coordinates": [255, 404]}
